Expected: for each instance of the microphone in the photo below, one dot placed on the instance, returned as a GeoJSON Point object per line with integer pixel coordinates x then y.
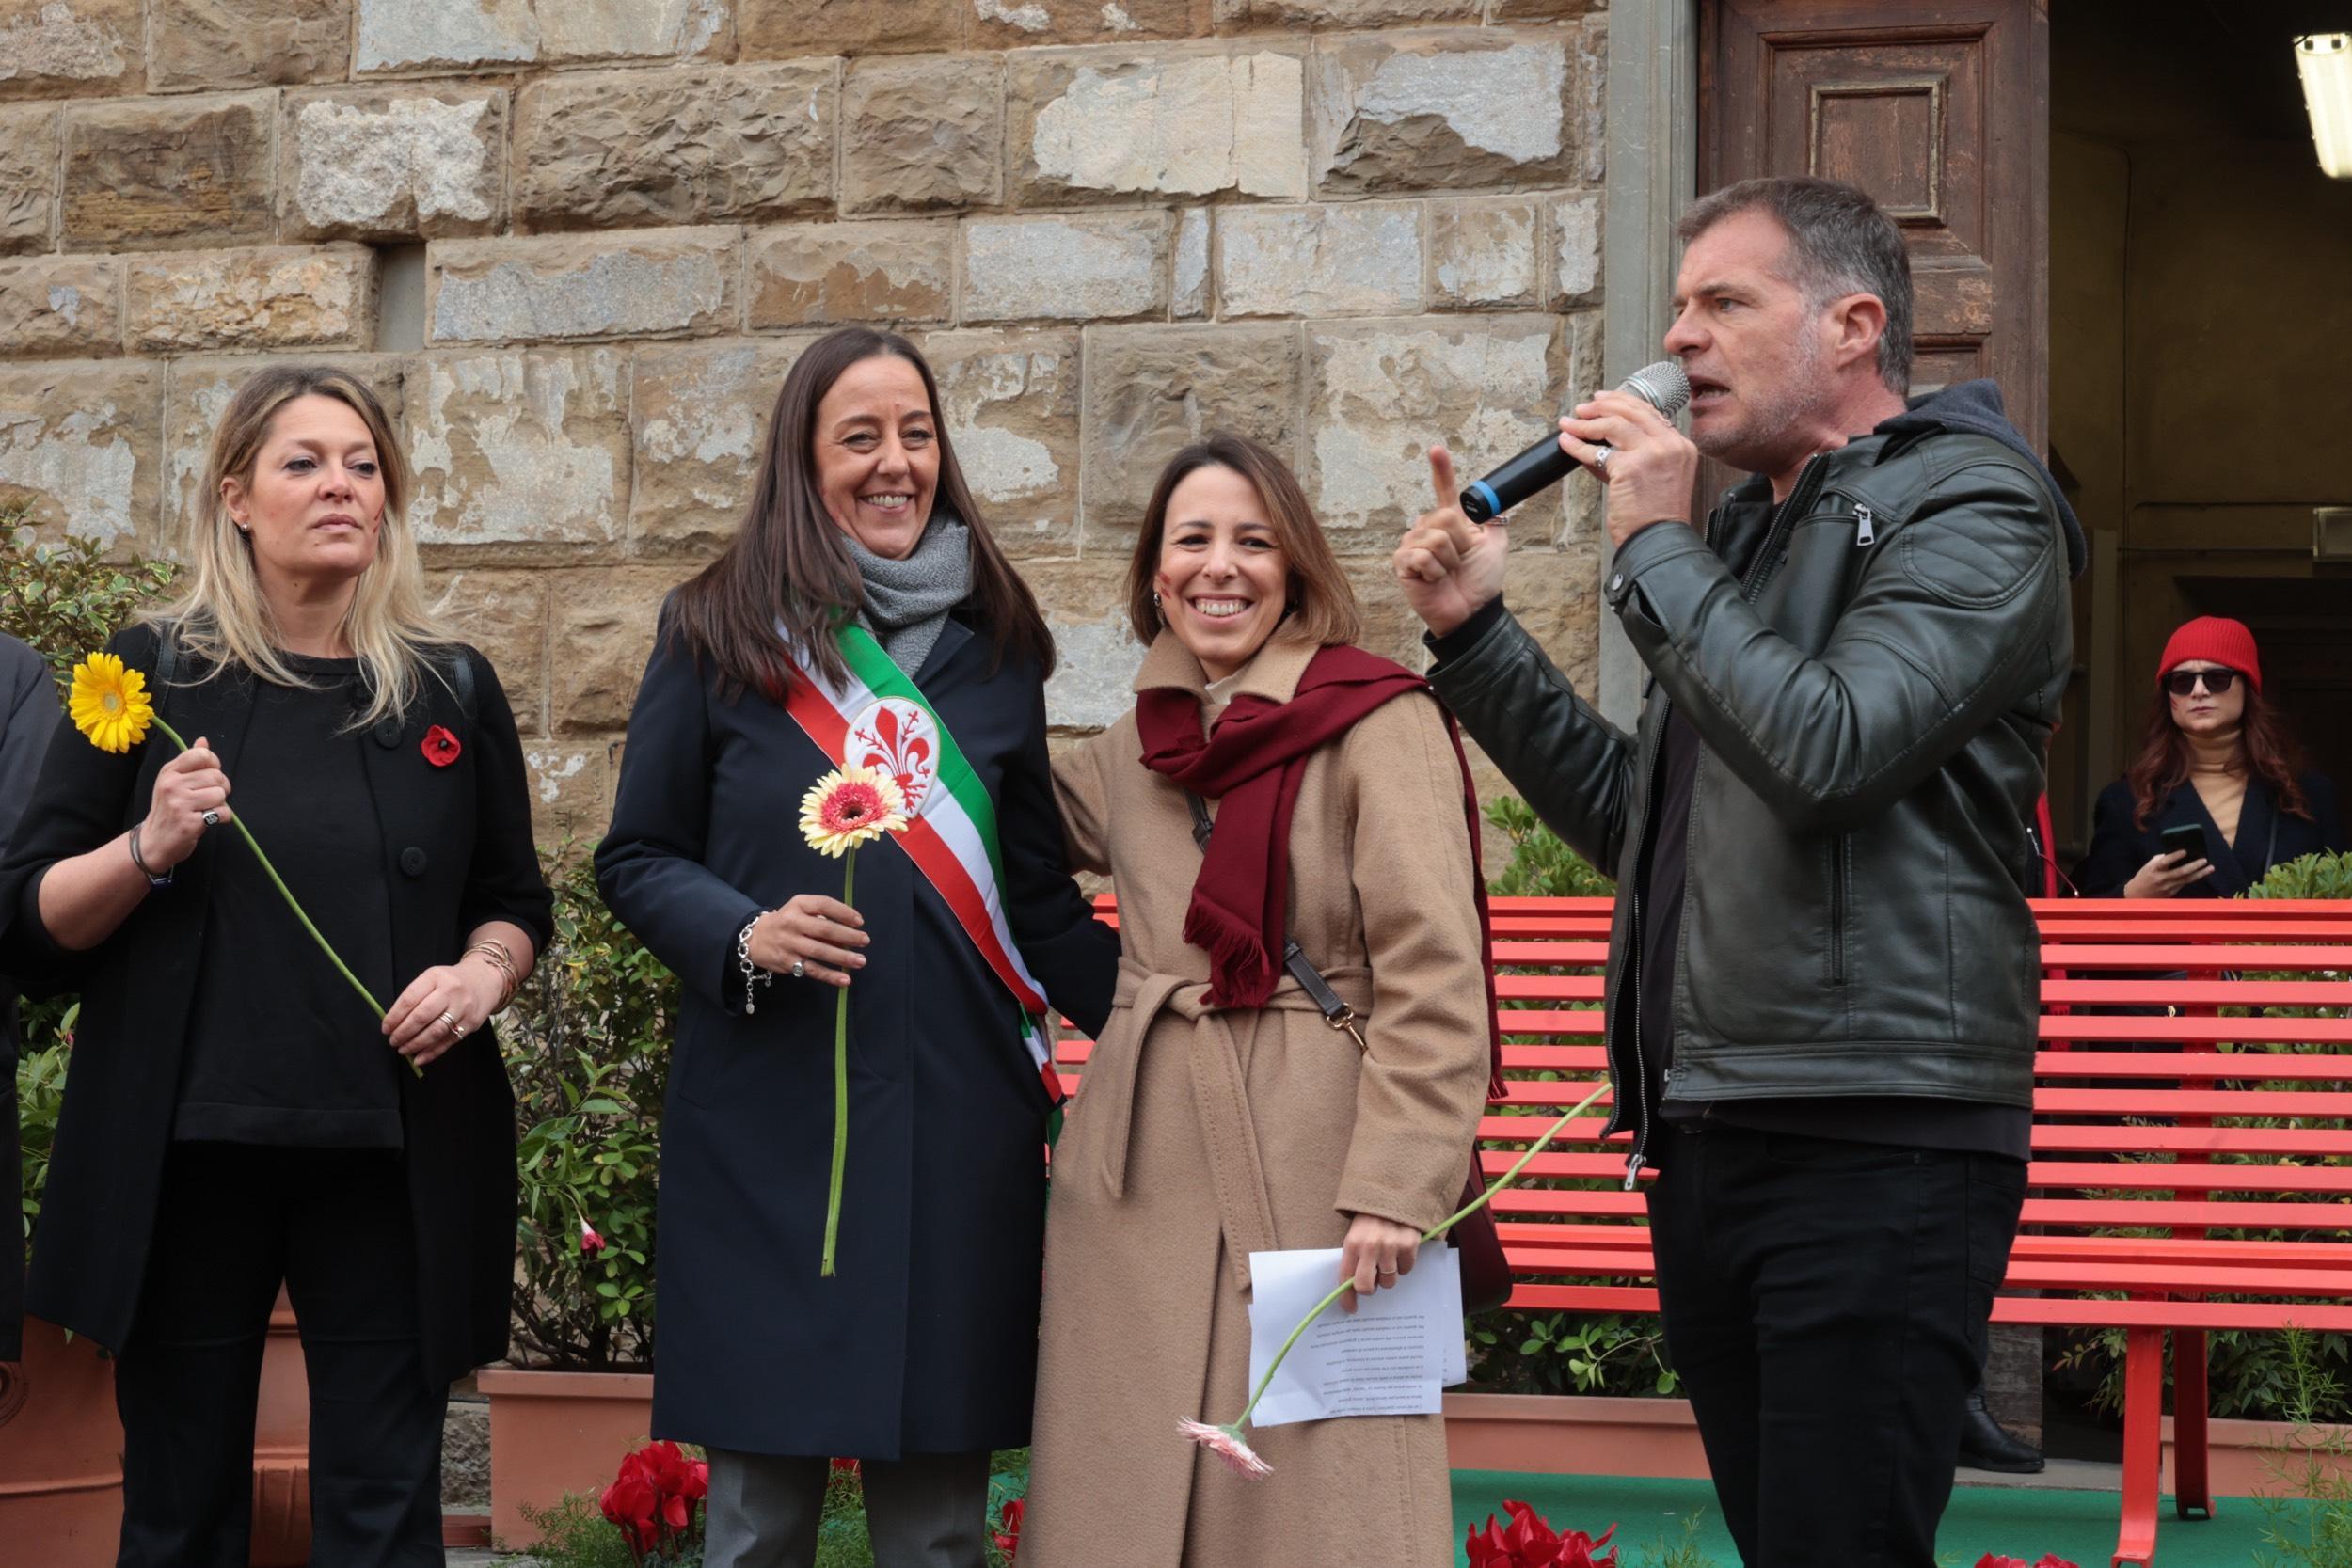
{"type": "Point", "coordinates": [1662, 385]}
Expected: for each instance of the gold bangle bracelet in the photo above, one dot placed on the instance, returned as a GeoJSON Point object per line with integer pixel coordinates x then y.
{"type": "Point", "coordinates": [494, 952]}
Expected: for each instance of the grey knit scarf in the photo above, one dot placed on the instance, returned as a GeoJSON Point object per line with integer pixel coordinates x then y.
{"type": "Point", "coordinates": [907, 601]}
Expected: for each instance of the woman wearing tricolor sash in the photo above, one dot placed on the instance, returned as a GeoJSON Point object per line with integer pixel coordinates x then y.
{"type": "Point", "coordinates": [1221, 1113]}
{"type": "Point", "coordinates": [861, 618]}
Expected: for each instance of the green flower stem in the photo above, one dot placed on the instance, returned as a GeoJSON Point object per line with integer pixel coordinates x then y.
{"type": "Point", "coordinates": [287, 894]}
{"type": "Point", "coordinates": [1429, 1235]}
{"type": "Point", "coordinates": [840, 1082]}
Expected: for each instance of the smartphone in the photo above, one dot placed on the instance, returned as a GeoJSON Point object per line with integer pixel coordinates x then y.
{"type": "Point", "coordinates": [2188, 837]}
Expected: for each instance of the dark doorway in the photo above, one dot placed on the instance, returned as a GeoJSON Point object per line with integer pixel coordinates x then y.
{"type": "Point", "coordinates": [2198, 324]}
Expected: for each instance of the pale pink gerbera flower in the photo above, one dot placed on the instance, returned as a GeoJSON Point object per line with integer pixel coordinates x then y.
{"type": "Point", "coordinates": [851, 806]}
{"type": "Point", "coordinates": [1227, 1444]}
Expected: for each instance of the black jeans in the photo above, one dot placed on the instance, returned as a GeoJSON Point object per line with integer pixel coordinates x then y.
{"type": "Point", "coordinates": [234, 1220]}
{"type": "Point", "coordinates": [1825, 1301]}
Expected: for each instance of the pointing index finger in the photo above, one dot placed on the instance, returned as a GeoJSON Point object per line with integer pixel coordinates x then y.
{"type": "Point", "coordinates": [1441, 475]}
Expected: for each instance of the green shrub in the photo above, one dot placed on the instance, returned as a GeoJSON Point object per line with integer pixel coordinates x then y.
{"type": "Point", "coordinates": [1526, 1352]}
{"type": "Point", "coordinates": [2309, 1520]}
{"type": "Point", "coordinates": [1542, 865]}
{"type": "Point", "coordinates": [67, 599]}
{"type": "Point", "coordinates": [587, 1047]}
{"type": "Point", "coordinates": [40, 1092]}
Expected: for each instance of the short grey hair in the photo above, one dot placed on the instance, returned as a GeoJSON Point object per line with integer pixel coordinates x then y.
{"type": "Point", "coordinates": [1840, 242]}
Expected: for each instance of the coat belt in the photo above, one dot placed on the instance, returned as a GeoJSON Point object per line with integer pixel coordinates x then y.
{"type": "Point", "coordinates": [1220, 1091]}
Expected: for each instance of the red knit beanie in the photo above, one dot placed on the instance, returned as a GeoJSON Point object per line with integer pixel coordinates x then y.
{"type": "Point", "coordinates": [2217, 639]}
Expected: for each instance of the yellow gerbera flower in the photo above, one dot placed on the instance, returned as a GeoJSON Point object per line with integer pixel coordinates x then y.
{"type": "Point", "coordinates": [850, 806]}
{"type": "Point", "coordinates": [110, 703]}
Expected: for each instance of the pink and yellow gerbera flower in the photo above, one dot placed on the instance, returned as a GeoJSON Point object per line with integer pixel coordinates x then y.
{"type": "Point", "coordinates": [851, 806]}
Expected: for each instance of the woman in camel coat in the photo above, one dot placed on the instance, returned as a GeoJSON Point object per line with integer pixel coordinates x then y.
{"type": "Point", "coordinates": [1204, 1133]}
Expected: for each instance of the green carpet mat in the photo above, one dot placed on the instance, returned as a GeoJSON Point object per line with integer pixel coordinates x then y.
{"type": "Point", "coordinates": [1650, 1516]}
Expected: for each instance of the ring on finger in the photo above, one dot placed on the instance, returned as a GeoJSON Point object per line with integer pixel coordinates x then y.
{"type": "Point", "coordinates": [452, 1022]}
{"type": "Point", "coordinates": [209, 818]}
{"type": "Point", "coordinates": [800, 969]}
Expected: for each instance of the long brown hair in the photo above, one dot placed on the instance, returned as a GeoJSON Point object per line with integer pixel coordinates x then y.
{"type": "Point", "coordinates": [2269, 752]}
{"type": "Point", "coordinates": [789, 563]}
{"type": "Point", "coordinates": [1322, 605]}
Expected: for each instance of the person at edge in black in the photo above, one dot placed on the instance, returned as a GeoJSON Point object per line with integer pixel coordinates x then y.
{"type": "Point", "coordinates": [29, 716]}
{"type": "Point", "coordinates": [2215, 756]}
{"type": "Point", "coordinates": [1824, 978]}
{"type": "Point", "coordinates": [235, 1116]}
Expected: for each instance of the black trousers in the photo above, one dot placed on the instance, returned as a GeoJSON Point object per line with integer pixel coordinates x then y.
{"type": "Point", "coordinates": [1825, 1301]}
{"type": "Point", "coordinates": [234, 1221]}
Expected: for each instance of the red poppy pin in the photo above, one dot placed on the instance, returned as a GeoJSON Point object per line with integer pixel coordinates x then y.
{"type": "Point", "coordinates": [440, 747]}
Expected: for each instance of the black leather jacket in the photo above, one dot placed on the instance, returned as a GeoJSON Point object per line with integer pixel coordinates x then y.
{"type": "Point", "coordinates": [1874, 669]}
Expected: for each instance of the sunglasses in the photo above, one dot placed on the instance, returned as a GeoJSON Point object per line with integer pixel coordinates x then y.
{"type": "Point", "coordinates": [2182, 682]}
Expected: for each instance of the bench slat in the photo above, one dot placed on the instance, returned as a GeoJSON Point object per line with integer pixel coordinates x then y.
{"type": "Point", "coordinates": [2048, 1311]}
{"type": "Point", "coordinates": [2079, 993]}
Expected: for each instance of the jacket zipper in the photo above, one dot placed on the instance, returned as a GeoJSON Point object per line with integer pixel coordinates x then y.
{"type": "Point", "coordinates": [1837, 909]}
{"type": "Point", "coordinates": [1758, 571]}
{"type": "Point", "coordinates": [1801, 495]}
{"type": "Point", "coordinates": [1634, 1162]}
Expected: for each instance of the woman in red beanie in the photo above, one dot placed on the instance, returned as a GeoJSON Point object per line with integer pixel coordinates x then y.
{"type": "Point", "coordinates": [2215, 757]}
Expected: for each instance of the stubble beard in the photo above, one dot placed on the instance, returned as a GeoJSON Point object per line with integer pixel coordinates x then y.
{"type": "Point", "coordinates": [1763, 442]}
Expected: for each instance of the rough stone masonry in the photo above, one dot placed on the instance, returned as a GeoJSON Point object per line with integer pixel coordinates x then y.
{"type": "Point", "coordinates": [577, 246]}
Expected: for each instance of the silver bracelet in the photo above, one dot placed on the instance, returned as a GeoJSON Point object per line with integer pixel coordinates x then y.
{"type": "Point", "coordinates": [753, 974]}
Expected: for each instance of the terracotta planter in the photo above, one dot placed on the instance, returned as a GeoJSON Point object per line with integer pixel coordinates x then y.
{"type": "Point", "coordinates": [1573, 1434]}
{"type": "Point", "coordinates": [553, 1433]}
{"type": "Point", "coordinates": [60, 1454]}
{"type": "Point", "coordinates": [281, 1449]}
{"type": "Point", "coordinates": [2246, 1457]}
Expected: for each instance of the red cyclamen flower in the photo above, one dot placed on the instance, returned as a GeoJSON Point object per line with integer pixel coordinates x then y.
{"type": "Point", "coordinates": [1530, 1541]}
{"type": "Point", "coordinates": [1009, 1539]}
{"type": "Point", "coordinates": [630, 1503]}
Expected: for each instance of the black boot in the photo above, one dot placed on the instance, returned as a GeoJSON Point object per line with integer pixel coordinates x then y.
{"type": "Point", "coordinates": [1986, 1444]}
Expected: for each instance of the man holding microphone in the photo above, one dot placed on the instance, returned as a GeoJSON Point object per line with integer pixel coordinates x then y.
{"type": "Point", "coordinates": [1823, 977]}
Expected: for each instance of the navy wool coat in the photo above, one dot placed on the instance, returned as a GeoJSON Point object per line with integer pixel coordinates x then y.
{"type": "Point", "coordinates": [2266, 836]}
{"type": "Point", "coordinates": [457, 852]}
{"type": "Point", "coordinates": [925, 1342]}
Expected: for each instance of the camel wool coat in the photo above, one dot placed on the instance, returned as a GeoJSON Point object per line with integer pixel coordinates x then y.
{"type": "Point", "coordinates": [1199, 1137]}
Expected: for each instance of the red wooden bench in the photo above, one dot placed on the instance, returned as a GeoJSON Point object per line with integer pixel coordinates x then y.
{"type": "Point", "coordinates": [2165, 1102]}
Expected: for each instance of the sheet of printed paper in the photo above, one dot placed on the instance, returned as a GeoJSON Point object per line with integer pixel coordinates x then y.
{"type": "Point", "coordinates": [1396, 1356]}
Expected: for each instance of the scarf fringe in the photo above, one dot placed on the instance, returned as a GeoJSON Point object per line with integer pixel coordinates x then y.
{"type": "Point", "coordinates": [1241, 970]}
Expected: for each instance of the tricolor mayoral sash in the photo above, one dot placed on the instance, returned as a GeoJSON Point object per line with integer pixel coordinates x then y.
{"type": "Point", "coordinates": [877, 718]}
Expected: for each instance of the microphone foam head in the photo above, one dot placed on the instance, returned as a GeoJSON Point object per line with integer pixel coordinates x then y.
{"type": "Point", "coordinates": [1662, 385]}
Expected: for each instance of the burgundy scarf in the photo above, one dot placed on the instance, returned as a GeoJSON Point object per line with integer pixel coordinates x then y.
{"type": "Point", "coordinates": [1254, 763]}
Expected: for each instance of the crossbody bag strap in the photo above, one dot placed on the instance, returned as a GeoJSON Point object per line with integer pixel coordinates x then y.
{"type": "Point", "coordinates": [1336, 1013]}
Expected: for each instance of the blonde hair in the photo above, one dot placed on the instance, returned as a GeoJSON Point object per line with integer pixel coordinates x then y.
{"type": "Point", "coordinates": [225, 619]}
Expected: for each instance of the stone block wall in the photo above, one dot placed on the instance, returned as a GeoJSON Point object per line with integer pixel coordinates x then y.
{"type": "Point", "coordinates": [576, 243]}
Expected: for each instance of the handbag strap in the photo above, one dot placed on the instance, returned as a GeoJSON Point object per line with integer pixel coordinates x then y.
{"type": "Point", "coordinates": [1336, 1013]}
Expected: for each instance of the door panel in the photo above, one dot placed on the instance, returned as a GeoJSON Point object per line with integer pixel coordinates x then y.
{"type": "Point", "coordinates": [1940, 109]}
